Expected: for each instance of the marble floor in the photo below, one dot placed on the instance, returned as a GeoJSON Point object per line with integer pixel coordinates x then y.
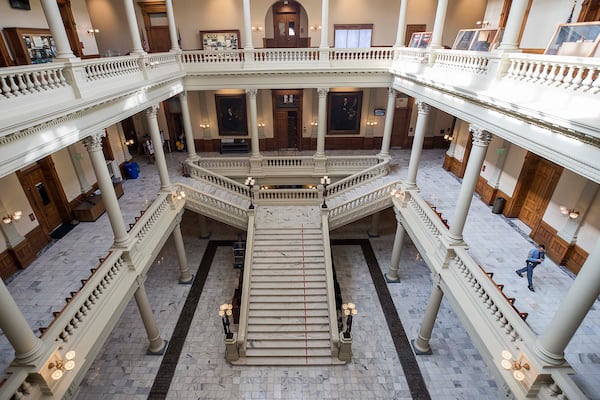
{"type": "Point", "coordinates": [455, 370]}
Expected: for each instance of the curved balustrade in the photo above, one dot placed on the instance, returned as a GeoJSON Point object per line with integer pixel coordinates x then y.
{"type": "Point", "coordinates": [344, 162]}
{"type": "Point", "coordinates": [225, 165]}
{"type": "Point", "coordinates": [368, 174]}
{"type": "Point", "coordinates": [151, 216]}
{"type": "Point", "coordinates": [95, 70]}
{"type": "Point", "coordinates": [218, 180]}
{"type": "Point", "coordinates": [412, 54]}
{"type": "Point", "coordinates": [288, 162]}
{"type": "Point", "coordinates": [31, 80]}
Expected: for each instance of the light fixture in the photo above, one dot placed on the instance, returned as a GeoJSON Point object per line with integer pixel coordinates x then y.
{"type": "Point", "coordinates": [129, 142]}
{"type": "Point", "coordinates": [91, 31]}
{"type": "Point", "coordinates": [257, 28]}
{"type": "Point", "coordinates": [516, 366]}
{"type": "Point", "coordinates": [178, 195]}
{"type": "Point", "coordinates": [261, 124]}
{"type": "Point", "coordinates": [314, 123]}
{"type": "Point", "coordinates": [325, 181]}
{"type": "Point", "coordinates": [483, 24]}
{"type": "Point", "coordinates": [205, 126]}
{"type": "Point", "coordinates": [371, 123]}
{"type": "Point", "coordinates": [349, 310]}
{"type": "Point", "coordinates": [12, 217]}
{"type": "Point", "coordinates": [448, 137]}
{"type": "Point", "coordinates": [59, 366]}
{"type": "Point", "coordinates": [570, 212]}
{"type": "Point", "coordinates": [397, 193]}
{"type": "Point", "coordinates": [250, 183]}
{"type": "Point", "coordinates": [315, 27]}
{"type": "Point", "coordinates": [226, 311]}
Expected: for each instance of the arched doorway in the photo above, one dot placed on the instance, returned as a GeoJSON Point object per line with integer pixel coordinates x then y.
{"type": "Point", "coordinates": [289, 27]}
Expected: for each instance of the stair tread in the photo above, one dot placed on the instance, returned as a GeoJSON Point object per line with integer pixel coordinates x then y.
{"type": "Point", "coordinates": [320, 298]}
{"type": "Point", "coordinates": [271, 328]}
{"type": "Point", "coordinates": [281, 361]}
{"type": "Point", "coordinates": [257, 344]}
{"type": "Point", "coordinates": [289, 352]}
{"type": "Point", "coordinates": [287, 306]}
{"type": "Point", "coordinates": [299, 284]}
{"type": "Point", "coordinates": [287, 335]}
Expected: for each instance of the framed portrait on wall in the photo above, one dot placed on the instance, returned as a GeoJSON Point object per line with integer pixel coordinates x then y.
{"type": "Point", "coordinates": [20, 4]}
{"type": "Point", "coordinates": [343, 116]}
{"type": "Point", "coordinates": [220, 40]}
{"type": "Point", "coordinates": [231, 114]}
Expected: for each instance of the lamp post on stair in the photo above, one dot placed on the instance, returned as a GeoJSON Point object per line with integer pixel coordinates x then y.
{"type": "Point", "coordinates": [231, 350]}
{"type": "Point", "coordinates": [345, 350]}
{"type": "Point", "coordinates": [250, 183]}
{"type": "Point", "coordinates": [325, 181]}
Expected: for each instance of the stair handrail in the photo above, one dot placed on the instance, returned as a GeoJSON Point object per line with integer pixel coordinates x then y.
{"type": "Point", "coordinates": [380, 169]}
{"type": "Point", "coordinates": [219, 180]}
{"type": "Point", "coordinates": [329, 281]}
{"type": "Point", "coordinates": [246, 280]}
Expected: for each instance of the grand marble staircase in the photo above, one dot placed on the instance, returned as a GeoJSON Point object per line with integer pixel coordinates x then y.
{"type": "Point", "coordinates": [288, 320]}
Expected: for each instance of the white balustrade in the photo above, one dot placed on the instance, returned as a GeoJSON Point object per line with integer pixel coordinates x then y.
{"type": "Point", "coordinates": [106, 68]}
{"type": "Point", "coordinates": [468, 61]}
{"type": "Point", "coordinates": [364, 176]}
{"type": "Point", "coordinates": [31, 80]}
{"type": "Point", "coordinates": [207, 176]}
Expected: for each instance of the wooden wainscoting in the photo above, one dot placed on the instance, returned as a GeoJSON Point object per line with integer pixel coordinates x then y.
{"type": "Point", "coordinates": [485, 191]}
{"type": "Point", "coordinates": [559, 250]}
{"type": "Point", "coordinates": [23, 254]}
{"type": "Point", "coordinates": [453, 165]}
{"type": "Point", "coordinates": [8, 265]}
{"type": "Point", "coordinates": [575, 259]}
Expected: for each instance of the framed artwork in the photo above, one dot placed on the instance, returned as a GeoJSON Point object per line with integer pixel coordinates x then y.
{"type": "Point", "coordinates": [231, 114]}
{"type": "Point", "coordinates": [344, 112]}
{"type": "Point", "coordinates": [20, 4]}
{"type": "Point", "coordinates": [220, 40]}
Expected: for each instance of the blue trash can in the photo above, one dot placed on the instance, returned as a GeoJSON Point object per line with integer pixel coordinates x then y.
{"type": "Point", "coordinates": [132, 169]}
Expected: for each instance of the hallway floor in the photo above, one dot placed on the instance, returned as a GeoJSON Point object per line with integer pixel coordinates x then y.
{"type": "Point", "coordinates": [455, 370]}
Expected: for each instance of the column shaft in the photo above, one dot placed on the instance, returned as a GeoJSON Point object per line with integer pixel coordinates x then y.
{"type": "Point", "coordinates": [438, 25]}
{"type": "Point", "coordinates": [203, 225]}
{"type": "Point", "coordinates": [13, 324]}
{"type": "Point", "coordinates": [572, 310]}
{"type": "Point", "coordinates": [93, 144]}
{"type": "Point", "coordinates": [84, 185]}
{"type": "Point", "coordinates": [324, 24]}
{"type": "Point", "coordinates": [389, 122]}
{"type": "Point", "coordinates": [136, 42]}
{"type": "Point", "coordinates": [159, 153]}
{"type": "Point", "coordinates": [187, 125]}
{"type": "Point", "coordinates": [184, 272]}
{"type": "Point", "coordinates": [481, 140]}
{"type": "Point", "coordinates": [421, 343]}
{"type": "Point", "coordinates": [57, 28]}
{"type": "Point", "coordinates": [157, 344]}
{"type": "Point", "coordinates": [253, 113]}
{"type": "Point", "coordinates": [510, 38]}
{"type": "Point", "coordinates": [374, 228]}
{"type": "Point", "coordinates": [392, 275]}
{"type": "Point", "coordinates": [172, 26]}
{"type": "Point", "coordinates": [247, 25]}
{"type": "Point", "coordinates": [322, 121]}
{"type": "Point", "coordinates": [417, 145]}
{"type": "Point", "coordinates": [401, 33]}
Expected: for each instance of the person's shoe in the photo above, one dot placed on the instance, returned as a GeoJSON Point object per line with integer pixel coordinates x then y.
{"type": "Point", "coordinates": [531, 288]}
{"type": "Point", "coordinates": [518, 273]}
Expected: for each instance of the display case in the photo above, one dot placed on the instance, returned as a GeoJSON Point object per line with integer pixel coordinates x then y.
{"type": "Point", "coordinates": [420, 40]}
{"type": "Point", "coordinates": [578, 39]}
{"type": "Point", "coordinates": [31, 45]}
{"type": "Point", "coordinates": [478, 39]}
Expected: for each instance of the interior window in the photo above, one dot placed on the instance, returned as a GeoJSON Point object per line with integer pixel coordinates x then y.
{"type": "Point", "coordinates": [354, 36]}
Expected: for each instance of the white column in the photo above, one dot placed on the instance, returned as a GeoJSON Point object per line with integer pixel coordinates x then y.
{"type": "Point", "coordinates": [93, 143]}
{"type": "Point", "coordinates": [187, 125]}
{"type": "Point", "coordinates": [392, 275]}
{"type": "Point", "coordinates": [321, 121]}
{"type": "Point", "coordinates": [159, 153]}
{"type": "Point", "coordinates": [401, 33]}
{"type": "Point", "coordinates": [324, 24]}
{"type": "Point", "coordinates": [172, 26]}
{"type": "Point", "coordinates": [203, 225]}
{"type": "Point", "coordinates": [510, 38]}
{"type": "Point", "coordinates": [481, 140]}
{"type": "Point", "coordinates": [438, 25]}
{"type": "Point", "coordinates": [417, 145]}
{"type": "Point", "coordinates": [389, 123]}
{"type": "Point", "coordinates": [421, 343]}
{"type": "Point", "coordinates": [57, 28]}
{"type": "Point", "coordinates": [13, 324]}
{"type": "Point", "coordinates": [572, 310]}
{"type": "Point", "coordinates": [247, 25]}
{"type": "Point", "coordinates": [373, 230]}
{"type": "Point", "coordinates": [136, 42]}
{"type": "Point", "coordinates": [184, 272]}
{"type": "Point", "coordinates": [157, 344]}
{"type": "Point", "coordinates": [253, 128]}
{"type": "Point", "coordinates": [84, 185]}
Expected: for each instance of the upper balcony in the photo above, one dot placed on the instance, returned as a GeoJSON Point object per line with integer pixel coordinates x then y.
{"type": "Point", "coordinates": [521, 97]}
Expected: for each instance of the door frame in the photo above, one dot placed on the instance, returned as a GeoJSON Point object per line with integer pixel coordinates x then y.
{"type": "Point", "coordinates": [279, 105]}
{"type": "Point", "coordinates": [66, 14]}
{"type": "Point", "coordinates": [148, 8]}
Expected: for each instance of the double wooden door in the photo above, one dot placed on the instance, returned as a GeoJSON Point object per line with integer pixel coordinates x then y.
{"type": "Point", "coordinates": [286, 24]}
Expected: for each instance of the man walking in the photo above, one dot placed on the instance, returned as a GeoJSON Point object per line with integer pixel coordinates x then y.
{"type": "Point", "coordinates": [534, 258]}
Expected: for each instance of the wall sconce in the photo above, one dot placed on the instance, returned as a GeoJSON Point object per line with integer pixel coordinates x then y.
{"type": "Point", "coordinates": [257, 28]}
{"type": "Point", "coordinates": [371, 123]}
{"type": "Point", "coordinates": [483, 24]}
{"type": "Point", "coordinates": [91, 31]}
{"type": "Point", "coordinates": [571, 213]}
{"type": "Point", "coordinates": [128, 142]}
{"type": "Point", "coordinates": [315, 27]}
{"type": "Point", "coordinates": [349, 310]}
{"type": "Point", "coordinates": [225, 311]}
{"type": "Point", "coordinates": [59, 366]}
{"type": "Point", "coordinates": [12, 217]}
{"type": "Point", "coordinates": [178, 195]}
{"type": "Point", "coordinates": [448, 137]}
{"type": "Point", "coordinates": [314, 123]}
{"type": "Point", "coordinates": [516, 366]}
{"type": "Point", "coordinates": [205, 126]}
{"type": "Point", "coordinates": [261, 124]}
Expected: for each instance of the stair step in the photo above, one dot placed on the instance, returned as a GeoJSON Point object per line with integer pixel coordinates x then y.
{"type": "Point", "coordinates": [283, 279]}
{"type": "Point", "coordinates": [287, 292]}
{"type": "Point", "coordinates": [287, 306]}
{"type": "Point", "coordinates": [320, 298]}
{"type": "Point", "coordinates": [295, 241]}
{"type": "Point", "coordinates": [293, 352]}
{"type": "Point", "coordinates": [297, 316]}
{"type": "Point", "coordinates": [296, 253]}
{"type": "Point", "coordinates": [287, 260]}
{"type": "Point", "coordinates": [283, 361]}
{"type": "Point", "coordinates": [290, 266]}
{"type": "Point", "coordinates": [288, 285]}
{"type": "Point", "coordinates": [261, 344]}
{"type": "Point", "coordinates": [264, 328]}
{"type": "Point", "coordinates": [287, 336]}
{"type": "Point", "coordinates": [278, 272]}
{"type": "Point", "coordinates": [275, 248]}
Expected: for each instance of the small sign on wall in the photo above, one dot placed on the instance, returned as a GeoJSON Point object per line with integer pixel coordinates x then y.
{"type": "Point", "coordinates": [401, 102]}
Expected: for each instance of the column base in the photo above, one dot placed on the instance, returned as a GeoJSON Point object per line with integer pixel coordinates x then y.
{"type": "Point", "coordinates": [345, 347]}
{"type": "Point", "coordinates": [207, 236]}
{"type": "Point", "coordinates": [160, 351]}
{"type": "Point", "coordinates": [390, 280]}
{"type": "Point", "coordinates": [188, 281]}
{"type": "Point", "coordinates": [372, 235]}
{"type": "Point", "coordinates": [420, 352]}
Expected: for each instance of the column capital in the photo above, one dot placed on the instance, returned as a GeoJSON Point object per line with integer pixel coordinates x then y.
{"type": "Point", "coordinates": [392, 92]}
{"type": "Point", "coordinates": [151, 111]}
{"type": "Point", "coordinates": [94, 141]}
{"type": "Point", "coordinates": [252, 92]}
{"type": "Point", "coordinates": [422, 107]}
{"type": "Point", "coordinates": [183, 94]}
{"type": "Point", "coordinates": [322, 92]}
{"type": "Point", "coordinates": [481, 137]}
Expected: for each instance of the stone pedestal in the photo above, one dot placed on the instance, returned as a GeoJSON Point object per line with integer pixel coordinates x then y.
{"type": "Point", "coordinates": [345, 353]}
{"type": "Point", "coordinates": [231, 349]}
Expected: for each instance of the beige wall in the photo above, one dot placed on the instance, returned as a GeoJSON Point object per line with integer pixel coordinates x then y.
{"type": "Point", "coordinates": [14, 199]}
{"type": "Point", "coordinates": [66, 174]}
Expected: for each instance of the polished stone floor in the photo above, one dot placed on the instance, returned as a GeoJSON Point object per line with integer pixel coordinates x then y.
{"type": "Point", "coordinates": [455, 370]}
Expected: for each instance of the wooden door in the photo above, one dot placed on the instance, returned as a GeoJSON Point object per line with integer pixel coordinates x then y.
{"type": "Point", "coordinates": [590, 11]}
{"type": "Point", "coordinates": [401, 123]}
{"type": "Point", "coordinates": [157, 26]}
{"type": "Point", "coordinates": [286, 24]}
{"type": "Point", "coordinates": [70, 27]}
{"type": "Point", "coordinates": [412, 28]}
{"type": "Point", "coordinates": [159, 40]}
{"type": "Point", "coordinates": [543, 177]}
{"type": "Point", "coordinates": [41, 193]}
{"type": "Point", "coordinates": [287, 117]}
